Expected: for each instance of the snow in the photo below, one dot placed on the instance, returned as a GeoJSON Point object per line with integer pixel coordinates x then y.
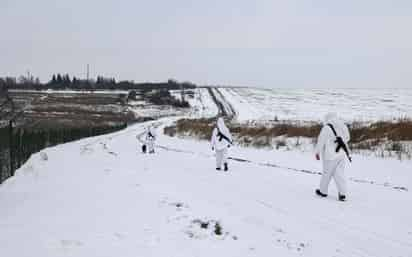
{"type": "Point", "coordinates": [208, 107]}
{"type": "Point", "coordinates": [202, 104]}
{"type": "Point", "coordinates": [101, 197]}
{"type": "Point", "coordinates": [364, 105]}
{"type": "Point", "coordinates": [220, 97]}
{"type": "Point", "coordinates": [155, 111]}
{"type": "Point", "coordinates": [246, 111]}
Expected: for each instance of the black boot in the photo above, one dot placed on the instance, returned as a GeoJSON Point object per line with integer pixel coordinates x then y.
{"type": "Point", "coordinates": [342, 198]}
{"type": "Point", "coordinates": [218, 168]}
{"type": "Point", "coordinates": [319, 193]}
{"type": "Point", "coordinates": [226, 167]}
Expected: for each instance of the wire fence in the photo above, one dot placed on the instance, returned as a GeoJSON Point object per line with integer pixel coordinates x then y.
{"type": "Point", "coordinates": [17, 144]}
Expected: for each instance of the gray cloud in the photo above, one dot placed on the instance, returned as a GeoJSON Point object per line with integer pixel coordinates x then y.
{"type": "Point", "coordinates": [258, 43]}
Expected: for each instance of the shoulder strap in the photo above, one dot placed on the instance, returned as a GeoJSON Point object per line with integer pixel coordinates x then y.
{"type": "Point", "coordinates": [333, 129]}
{"type": "Point", "coordinates": [340, 143]}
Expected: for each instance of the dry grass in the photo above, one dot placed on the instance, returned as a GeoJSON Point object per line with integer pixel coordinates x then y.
{"type": "Point", "coordinates": [199, 128]}
{"type": "Point", "coordinates": [385, 136]}
{"type": "Point", "coordinates": [400, 130]}
{"type": "Point", "coordinates": [289, 130]}
{"type": "Point", "coordinates": [259, 136]}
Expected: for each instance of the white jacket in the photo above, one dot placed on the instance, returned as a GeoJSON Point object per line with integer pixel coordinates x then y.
{"type": "Point", "coordinates": [218, 142]}
{"type": "Point", "coordinates": [150, 135]}
{"type": "Point", "coordinates": [326, 146]}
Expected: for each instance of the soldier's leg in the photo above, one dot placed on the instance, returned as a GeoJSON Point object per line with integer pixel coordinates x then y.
{"type": "Point", "coordinates": [219, 159]}
{"type": "Point", "coordinates": [339, 177]}
{"type": "Point", "coordinates": [225, 161]}
{"type": "Point", "coordinates": [328, 168]}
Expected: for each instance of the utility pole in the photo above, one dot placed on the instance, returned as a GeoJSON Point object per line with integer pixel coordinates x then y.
{"type": "Point", "coordinates": [11, 154]}
{"type": "Point", "coordinates": [88, 73]}
{"type": "Point", "coordinates": [29, 78]}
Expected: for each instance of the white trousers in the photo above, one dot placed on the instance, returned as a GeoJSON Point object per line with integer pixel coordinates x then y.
{"type": "Point", "coordinates": [333, 169]}
{"type": "Point", "coordinates": [150, 146]}
{"type": "Point", "coordinates": [221, 157]}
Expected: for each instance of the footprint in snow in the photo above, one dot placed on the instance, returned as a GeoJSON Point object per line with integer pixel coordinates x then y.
{"type": "Point", "coordinates": [119, 235]}
{"type": "Point", "coordinates": [177, 218]}
{"type": "Point", "coordinates": [179, 206]}
{"type": "Point", "coordinates": [152, 240]}
{"type": "Point", "coordinates": [86, 150]}
{"type": "Point", "coordinates": [70, 243]}
{"type": "Point", "coordinates": [294, 246]}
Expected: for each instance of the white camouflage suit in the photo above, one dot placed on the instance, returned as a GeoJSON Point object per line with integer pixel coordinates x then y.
{"type": "Point", "coordinates": [333, 163]}
{"type": "Point", "coordinates": [219, 144]}
{"type": "Point", "coordinates": [150, 139]}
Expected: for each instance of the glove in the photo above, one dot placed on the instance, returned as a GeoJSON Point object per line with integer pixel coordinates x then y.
{"type": "Point", "coordinates": [228, 146]}
{"type": "Point", "coordinates": [213, 148]}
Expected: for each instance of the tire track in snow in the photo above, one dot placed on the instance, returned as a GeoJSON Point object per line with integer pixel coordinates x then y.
{"type": "Point", "coordinates": [335, 226]}
{"type": "Point", "coordinates": [273, 165]}
{"type": "Point", "coordinates": [329, 224]}
{"type": "Point", "coordinates": [225, 108]}
{"type": "Point", "coordinates": [233, 158]}
{"type": "Point", "coordinates": [265, 164]}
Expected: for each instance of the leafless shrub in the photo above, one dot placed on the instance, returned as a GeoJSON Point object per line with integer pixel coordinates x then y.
{"type": "Point", "coordinates": [280, 143]}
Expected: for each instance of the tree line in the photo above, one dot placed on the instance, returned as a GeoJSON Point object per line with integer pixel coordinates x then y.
{"type": "Point", "coordinates": [64, 81]}
{"type": "Point", "coordinates": [19, 144]}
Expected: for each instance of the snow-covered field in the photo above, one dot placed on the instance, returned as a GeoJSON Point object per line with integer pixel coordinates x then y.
{"type": "Point", "coordinates": [362, 105]}
{"type": "Point", "coordinates": [201, 106]}
{"type": "Point", "coordinates": [102, 197]}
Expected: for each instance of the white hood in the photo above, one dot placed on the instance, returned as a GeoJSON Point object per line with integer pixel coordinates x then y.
{"type": "Point", "coordinates": [338, 124]}
{"type": "Point", "coordinates": [326, 145]}
{"type": "Point", "coordinates": [222, 128]}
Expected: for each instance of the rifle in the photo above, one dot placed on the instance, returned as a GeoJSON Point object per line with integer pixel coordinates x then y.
{"type": "Point", "coordinates": [222, 136]}
{"type": "Point", "coordinates": [150, 135]}
{"type": "Point", "coordinates": [340, 143]}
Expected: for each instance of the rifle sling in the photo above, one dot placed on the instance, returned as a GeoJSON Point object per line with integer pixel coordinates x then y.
{"type": "Point", "coordinates": [222, 136]}
{"type": "Point", "coordinates": [340, 143]}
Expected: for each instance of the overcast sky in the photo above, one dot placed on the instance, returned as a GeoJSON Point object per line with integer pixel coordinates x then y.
{"type": "Point", "coordinates": [289, 43]}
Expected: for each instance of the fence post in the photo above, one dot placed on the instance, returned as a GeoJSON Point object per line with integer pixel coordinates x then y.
{"type": "Point", "coordinates": [1, 167]}
{"type": "Point", "coordinates": [11, 148]}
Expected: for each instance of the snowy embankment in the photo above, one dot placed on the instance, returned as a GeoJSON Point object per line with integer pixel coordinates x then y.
{"type": "Point", "coordinates": [245, 110]}
{"type": "Point", "coordinates": [201, 103]}
{"type": "Point", "coordinates": [219, 100]}
{"type": "Point", "coordinates": [102, 197]}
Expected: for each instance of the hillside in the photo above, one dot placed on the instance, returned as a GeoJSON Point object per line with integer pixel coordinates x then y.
{"type": "Point", "coordinates": [101, 197]}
